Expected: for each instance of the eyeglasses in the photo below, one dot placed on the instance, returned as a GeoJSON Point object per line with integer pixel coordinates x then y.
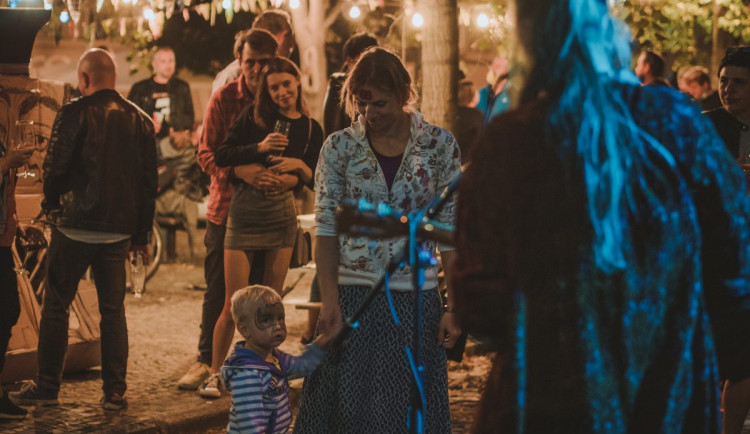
{"type": "Point", "coordinates": [262, 62]}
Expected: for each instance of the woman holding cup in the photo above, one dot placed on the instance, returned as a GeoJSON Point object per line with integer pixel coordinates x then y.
{"type": "Point", "coordinates": [277, 133]}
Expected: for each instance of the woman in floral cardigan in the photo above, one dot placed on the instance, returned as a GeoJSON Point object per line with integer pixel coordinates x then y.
{"type": "Point", "coordinates": [389, 155]}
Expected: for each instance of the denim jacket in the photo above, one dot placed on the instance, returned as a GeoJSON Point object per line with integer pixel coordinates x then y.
{"type": "Point", "coordinates": [348, 169]}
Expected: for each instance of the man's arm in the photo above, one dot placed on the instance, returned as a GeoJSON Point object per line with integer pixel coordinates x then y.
{"type": "Point", "coordinates": [148, 198]}
{"type": "Point", "coordinates": [60, 152]}
{"type": "Point", "coordinates": [214, 128]}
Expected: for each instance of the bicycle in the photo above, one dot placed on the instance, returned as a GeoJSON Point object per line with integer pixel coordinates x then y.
{"type": "Point", "coordinates": [31, 246]}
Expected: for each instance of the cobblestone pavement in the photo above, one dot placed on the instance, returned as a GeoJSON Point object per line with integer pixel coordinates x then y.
{"type": "Point", "coordinates": [163, 331]}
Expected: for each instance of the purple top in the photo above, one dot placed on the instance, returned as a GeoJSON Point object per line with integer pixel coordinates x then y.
{"type": "Point", "coordinates": [389, 165]}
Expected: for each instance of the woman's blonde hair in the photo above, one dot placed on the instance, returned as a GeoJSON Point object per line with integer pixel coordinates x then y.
{"type": "Point", "coordinates": [380, 68]}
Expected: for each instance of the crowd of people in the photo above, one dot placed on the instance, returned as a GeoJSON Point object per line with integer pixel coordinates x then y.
{"type": "Point", "coordinates": [602, 232]}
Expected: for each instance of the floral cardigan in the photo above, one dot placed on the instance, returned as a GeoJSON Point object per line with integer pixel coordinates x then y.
{"type": "Point", "coordinates": [348, 169]}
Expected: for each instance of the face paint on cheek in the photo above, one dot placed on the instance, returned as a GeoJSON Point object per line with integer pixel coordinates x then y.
{"type": "Point", "coordinates": [267, 315]}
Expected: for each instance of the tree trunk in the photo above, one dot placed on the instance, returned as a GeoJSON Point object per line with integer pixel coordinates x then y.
{"type": "Point", "coordinates": [309, 32]}
{"type": "Point", "coordinates": [720, 41]}
{"type": "Point", "coordinates": [439, 61]}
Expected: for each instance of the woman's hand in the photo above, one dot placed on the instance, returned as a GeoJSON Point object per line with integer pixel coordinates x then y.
{"type": "Point", "coordinates": [285, 164]}
{"type": "Point", "coordinates": [268, 182]}
{"type": "Point", "coordinates": [291, 165]}
{"type": "Point", "coordinates": [449, 330]}
{"type": "Point", "coordinates": [274, 142]}
{"type": "Point", "coordinates": [15, 158]}
{"type": "Point", "coordinates": [330, 320]}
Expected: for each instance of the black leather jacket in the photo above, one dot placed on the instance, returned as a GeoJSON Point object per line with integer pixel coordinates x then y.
{"type": "Point", "coordinates": [729, 128]}
{"type": "Point", "coordinates": [334, 116]}
{"type": "Point", "coordinates": [101, 161]}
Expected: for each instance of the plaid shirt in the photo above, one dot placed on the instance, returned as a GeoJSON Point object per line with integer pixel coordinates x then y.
{"type": "Point", "coordinates": [223, 107]}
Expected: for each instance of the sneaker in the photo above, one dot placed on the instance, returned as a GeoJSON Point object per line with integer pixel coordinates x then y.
{"type": "Point", "coordinates": [212, 387]}
{"type": "Point", "coordinates": [30, 394]}
{"type": "Point", "coordinates": [114, 401]}
{"type": "Point", "coordinates": [195, 376]}
{"type": "Point", "coordinates": [8, 410]}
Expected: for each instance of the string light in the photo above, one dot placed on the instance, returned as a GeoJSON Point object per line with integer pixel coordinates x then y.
{"type": "Point", "coordinates": [148, 14]}
{"type": "Point", "coordinates": [417, 20]}
{"type": "Point", "coordinates": [64, 17]}
{"type": "Point", "coordinates": [483, 21]}
{"type": "Point", "coordinates": [226, 4]}
{"type": "Point", "coordinates": [294, 4]}
{"type": "Point", "coordinates": [355, 12]}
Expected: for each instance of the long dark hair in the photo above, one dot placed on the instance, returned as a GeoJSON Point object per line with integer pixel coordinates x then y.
{"type": "Point", "coordinates": [265, 108]}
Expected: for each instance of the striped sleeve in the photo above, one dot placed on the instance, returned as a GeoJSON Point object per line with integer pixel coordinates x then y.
{"type": "Point", "coordinates": [306, 363]}
{"type": "Point", "coordinates": [247, 414]}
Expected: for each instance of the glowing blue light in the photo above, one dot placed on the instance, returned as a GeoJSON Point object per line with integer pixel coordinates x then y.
{"type": "Point", "coordinates": [64, 17]}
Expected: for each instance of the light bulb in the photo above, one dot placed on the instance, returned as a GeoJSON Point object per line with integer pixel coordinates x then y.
{"type": "Point", "coordinates": [354, 12]}
{"type": "Point", "coordinates": [417, 20]}
{"type": "Point", "coordinates": [148, 14]}
{"type": "Point", "coordinates": [483, 20]}
{"type": "Point", "coordinates": [294, 4]}
{"type": "Point", "coordinates": [64, 17]}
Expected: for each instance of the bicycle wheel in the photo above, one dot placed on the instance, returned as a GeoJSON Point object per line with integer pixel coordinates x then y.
{"type": "Point", "coordinates": [154, 249]}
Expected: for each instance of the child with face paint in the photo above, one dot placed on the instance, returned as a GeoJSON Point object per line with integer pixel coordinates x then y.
{"type": "Point", "coordinates": [256, 372]}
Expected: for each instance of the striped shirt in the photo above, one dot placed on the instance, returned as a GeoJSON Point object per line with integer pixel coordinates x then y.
{"type": "Point", "coordinates": [260, 390]}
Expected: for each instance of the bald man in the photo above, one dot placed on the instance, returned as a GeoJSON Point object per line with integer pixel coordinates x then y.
{"type": "Point", "coordinates": [100, 187]}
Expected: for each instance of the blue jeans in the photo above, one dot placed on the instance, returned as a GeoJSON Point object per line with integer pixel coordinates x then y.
{"type": "Point", "coordinates": [67, 261]}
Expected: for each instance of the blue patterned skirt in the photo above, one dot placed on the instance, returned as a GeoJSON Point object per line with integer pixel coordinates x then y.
{"type": "Point", "coordinates": [366, 386]}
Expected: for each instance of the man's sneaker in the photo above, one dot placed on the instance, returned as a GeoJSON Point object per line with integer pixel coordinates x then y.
{"type": "Point", "coordinates": [8, 410]}
{"type": "Point", "coordinates": [196, 375]}
{"type": "Point", "coordinates": [114, 401]}
{"type": "Point", "coordinates": [212, 387]}
{"type": "Point", "coordinates": [30, 394]}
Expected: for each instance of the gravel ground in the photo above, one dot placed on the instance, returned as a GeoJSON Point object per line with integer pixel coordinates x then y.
{"type": "Point", "coordinates": [167, 343]}
{"type": "Point", "coordinates": [163, 330]}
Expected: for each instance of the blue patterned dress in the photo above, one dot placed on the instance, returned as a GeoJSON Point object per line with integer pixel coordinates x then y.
{"type": "Point", "coordinates": [581, 349]}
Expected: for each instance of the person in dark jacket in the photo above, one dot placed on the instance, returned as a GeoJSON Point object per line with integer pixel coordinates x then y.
{"type": "Point", "coordinates": [11, 158]}
{"type": "Point", "coordinates": [334, 115]}
{"type": "Point", "coordinates": [697, 84]}
{"type": "Point", "coordinates": [99, 188]}
{"type": "Point", "coordinates": [167, 100]}
{"type": "Point", "coordinates": [733, 118]}
{"type": "Point", "coordinates": [610, 265]}
{"type": "Point", "coordinates": [469, 121]}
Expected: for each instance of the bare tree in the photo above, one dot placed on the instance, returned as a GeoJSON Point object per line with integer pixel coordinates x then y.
{"type": "Point", "coordinates": [439, 61]}
{"type": "Point", "coordinates": [310, 24]}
